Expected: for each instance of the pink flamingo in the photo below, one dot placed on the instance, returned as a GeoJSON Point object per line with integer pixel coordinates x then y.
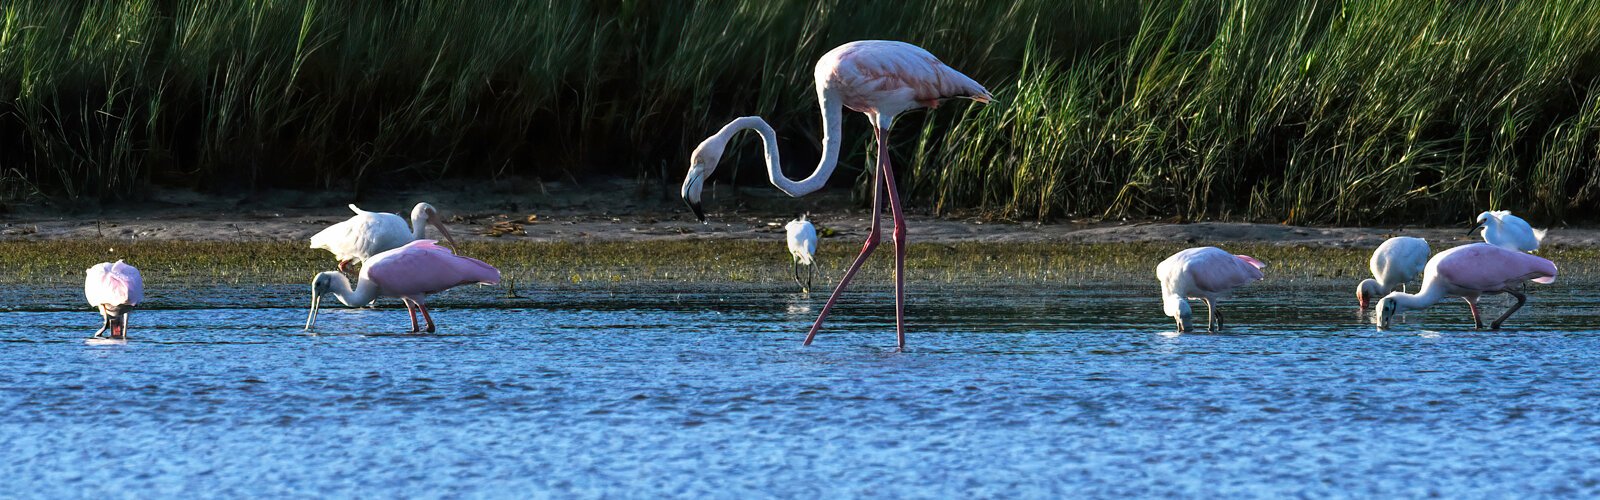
{"type": "Point", "coordinates": [1469, 271]}
{"type": "Point", "coordinates": [115, 288]}
{"type": "Point", "coordinates": [410, 273]}
{"type": "Point", "coordinates": [880, 79]}
{"type": "Point", "coordinates": [1205, 273]}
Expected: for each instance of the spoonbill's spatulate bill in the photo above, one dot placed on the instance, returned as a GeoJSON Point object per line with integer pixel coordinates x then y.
{"type": "Point", "coordinates": [881, 79]}
{"type": "Point", "coordinates": [1398, 260]}
{"type": "Point", "coordinates": [410, 273]}
{"type": "Point", "coordinates": [1206, 273]}
{"type": "Point", "coordinates": [1507, 231]}
{"type": "Point", "coordinates": [366, 234]}
{"type": "Point", "coordinates": [1470, 271]}
{"type": "Point", "coordinates": [115, 288]}
{"type": "Point", "coordinates": [802, 237]}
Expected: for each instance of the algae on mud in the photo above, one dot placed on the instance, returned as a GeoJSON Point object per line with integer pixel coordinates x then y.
{"type": "Point", "coordinates": [610, 263]}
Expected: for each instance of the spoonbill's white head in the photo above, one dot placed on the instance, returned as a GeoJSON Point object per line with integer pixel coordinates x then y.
{"type": "Point", "coordinates": [1179, 309]}
{"type": "Point", "coordinates": [1387, 308]}
{"type": "Point", "coordinates": [320, 286]}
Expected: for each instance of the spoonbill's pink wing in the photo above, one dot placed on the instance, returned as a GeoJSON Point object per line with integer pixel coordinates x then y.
{"type": "Point", "coordinates": [1219, 271]}
{"type": "Point", "coordinates": [1488, 268]}
{"type": "Point", "coordinates": [113, 283]}
{"type": "Point", "coordinates": [423, 267]}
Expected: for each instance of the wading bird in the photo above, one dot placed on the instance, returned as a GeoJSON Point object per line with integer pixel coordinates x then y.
{"type": "Point", "coordinates": [1507, 231]}
{"type": "Point", "coordinates": [1398, 260]}
{"type": "Point", "coordinates": [1469, 271]}
{"type": "Point", "coordinates": [803, 250]}
{"type": "Point", "coordinates": [1206, 273]}
{"type": "Point", "coordinates": [409, 273]}
{"type": "Point", "coordinates": [115, 288]}
{"type": "Point", "coordinates": [370, 233]}
{"type": "Point", "coordinates": [881, 79]}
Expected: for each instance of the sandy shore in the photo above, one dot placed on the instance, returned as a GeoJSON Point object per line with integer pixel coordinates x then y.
{"type": "Point", "coordinates": [620, 210]}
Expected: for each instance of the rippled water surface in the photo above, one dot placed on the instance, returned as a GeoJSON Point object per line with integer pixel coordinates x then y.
{"type": "Point", "coordinates": [707, 392]}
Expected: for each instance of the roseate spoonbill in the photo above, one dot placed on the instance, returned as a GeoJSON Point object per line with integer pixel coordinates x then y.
{"type": "Point", "coordinates": [1507, 231]}
{"type": "Point", "coordinates": [370, 233]}
{"type": "Point", "coordinates": [1398, 260]}
{"type": "Point", "coordinates": [802, 249]}
{"type": "Point", "coordinates": [116, 288]}
{"type": "Point", "coordinates": [880, 79]}
{"type": "Point", "coordinates": [410, 273]}
{"type": "Point", "coordinates": [1469, 271]}
{"type": "Point", "coordinates": [1205, 273]}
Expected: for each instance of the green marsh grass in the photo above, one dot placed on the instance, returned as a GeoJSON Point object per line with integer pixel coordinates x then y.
{"type": "Point", "coordinates": [1304, 111]}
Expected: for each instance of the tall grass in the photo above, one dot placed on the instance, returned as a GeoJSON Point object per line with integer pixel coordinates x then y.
{"type": "Point", "coordinates": [1308, 111]}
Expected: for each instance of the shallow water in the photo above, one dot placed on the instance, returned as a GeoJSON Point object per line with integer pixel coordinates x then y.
{"type": "Point", "coordinates": [707, 392]}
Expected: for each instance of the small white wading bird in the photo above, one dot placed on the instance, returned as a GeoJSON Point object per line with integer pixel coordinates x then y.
{"type": "Point", "coordinates": [410, 273]}
{"type": "Point", "coordinates": [115, 288]}
{"type": "Point", "coordinates": [1507, 231]}
{"type": "Point", "coordinates": [370, 233]}
{"type": "Point", "coordinates": [1206, 273]}
{"type": "Point", "coordinates": [802, 249]}
{"type": "Point", "coordinates": [1398, 260]}
{"type": "Point", "coordinates": [881, 79]}
{"type": "Point", "coordinates": [1469, 271]}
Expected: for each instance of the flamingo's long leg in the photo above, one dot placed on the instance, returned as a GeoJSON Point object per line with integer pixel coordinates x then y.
{"type": "Point", "coordinates": [426, 316]}
{"type": "Point", "coordinates": [866, 250]}
{"type": "Point", "coordinates": [411, 310]}
{"type": "Point", "coordinates": [1521, 299]}
{"type": "Point", "coordinates": [899, 236]}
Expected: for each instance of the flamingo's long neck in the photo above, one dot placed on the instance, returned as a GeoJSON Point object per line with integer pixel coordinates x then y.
{"type": "Point", "coordinates": [364, 293]}
{"type": "Point", "coordinates": [832, 116]}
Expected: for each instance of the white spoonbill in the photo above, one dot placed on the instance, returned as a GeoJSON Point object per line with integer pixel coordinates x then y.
{"type": "Point", "coordinates": [881, 79]}
{"type": "Point", "coordinates": [1507, 231]}
{"type": "Point", "coordinates": [369, 233]}
{"type": "Point", "coordinates": [802, 249]}
{"type": "Point", "coordinates": [1398, 260]}
{"type": "Point", "coordinates": [410, 273]}
{"type": "Point", "coordinates": [1206, 273]}
{"type": "Point", "coordinates": [115, 288]}
{"type": "Point", "coordinates": [1469, 271]}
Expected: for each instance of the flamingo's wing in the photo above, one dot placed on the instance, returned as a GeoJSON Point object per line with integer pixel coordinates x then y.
{"type": "Point", "coordinates": [423, 267]}
{"type": "Point", "coordinates": [868, 71]}
{"type": "Point", "coordinates": [113, 283]}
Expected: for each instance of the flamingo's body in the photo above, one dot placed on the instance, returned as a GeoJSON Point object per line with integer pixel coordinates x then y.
{"type": "Point", "coordinates": [881, 79]}
{"type": "Point", "coordinates": [366, 234]}
{"type": "Point", "coordinates": [1470, 271]}
{"type": "Point", "coordinates": [409, 273]}
{"type": "Point", "coordinates": [1397, 261]}
{"type": "Point", "coordinates": [115, 288]}
{"type": "Point", "coordinates": [802, 237]}
{"type": "Point", "coordinates": [1206, 273]}
{"type": "Point", "coordinates": [1510, 232]}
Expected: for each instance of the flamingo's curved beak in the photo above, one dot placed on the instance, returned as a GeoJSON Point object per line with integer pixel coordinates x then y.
{"type": "Point", "coordinates": [692, 185]}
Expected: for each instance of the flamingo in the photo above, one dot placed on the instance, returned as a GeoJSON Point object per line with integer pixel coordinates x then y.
{"type": "Point", "coordinates": [369, 233]}
{"type": "Point", "coordinates": [881, 79]}
{"type": "Point", "coordinates": [1205, 273]}
{"type": "Point", "coordinates": [1504, 230]}
{"type": "Point", "coordinates": [802, 249]}
{"type": "Point", "coordinates": [1398, 260]}
{"type": "Point", "coordinates": [410, 273]}
{"type": "Point", "coordinates": [116, 288]}
{"type": "Point", "coordinates": [1469, 271]}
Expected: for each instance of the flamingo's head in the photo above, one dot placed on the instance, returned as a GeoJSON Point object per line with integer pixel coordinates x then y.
{"type": "Point", "coordinates": [702, 162]}
{"type": "Point", "coordinates": [1387, 308]}
{"type": "Point", "coordinates": [1366, 291]}
{"type": "Point", "coordinates": [425, 212]}
{"type": "Point", "coordinates": [320, 285]}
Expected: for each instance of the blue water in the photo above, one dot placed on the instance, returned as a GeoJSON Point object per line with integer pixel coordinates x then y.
{"type": "Point", "coordinates": [706, 392]}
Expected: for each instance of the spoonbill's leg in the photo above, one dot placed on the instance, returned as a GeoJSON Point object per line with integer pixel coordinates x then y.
{"type": "Point", "coordinates": [1521, 299]}
{"type": "Point", "coordinates": [866, 250]}
{"type": "Point", "coordinates": [105, 322]}
{"type": "Point", "coordinates": [413, 312]}
{"type": "Point", "coordinates": [120, 330]}
{"type": "Point", "coordinates": [425, 316]}
{"type": "Point", "coordinates": [1472, 304]}
{"type": "Point", "coordinates": [1211, 316]}
{"type": "Point", "coordinates": [899, 236]}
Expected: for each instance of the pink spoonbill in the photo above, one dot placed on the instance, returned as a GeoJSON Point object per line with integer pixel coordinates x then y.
{"type": "Point", "coordinates": [1205, 273]}
{"type": "Point", "coordinates": [1507, 231]}
{"type": "Point", "coordinates": [366, 234]}
{"type": "Point", "coordinates": [881, 79]}
{"type": "Point", "coordinates": [410, 273]}
{"type": "Point", "coordinates": [115, 288]}
{"type": "Point", "coordinates": [1398, 260]}
{"type": "Point", "coordinates": [1470, 271]}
